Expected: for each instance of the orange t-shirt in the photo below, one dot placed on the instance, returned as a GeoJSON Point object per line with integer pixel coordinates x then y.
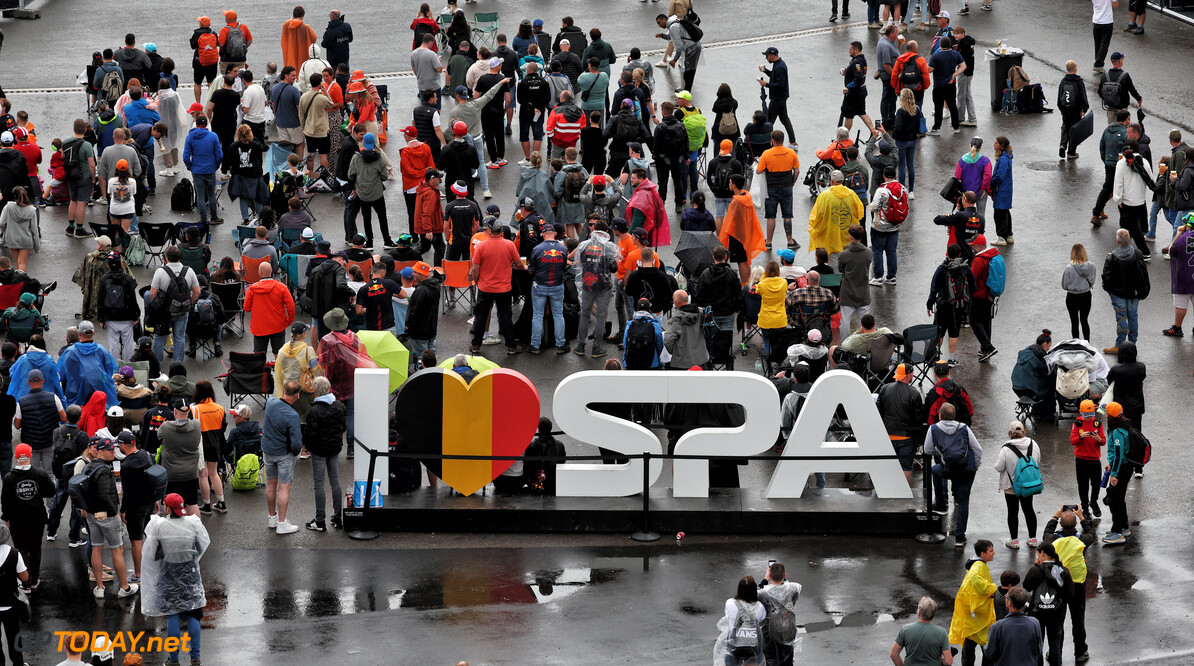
{"type": "Point", "coordinates": [630, 262]}
{"type": "Point", "coordinates": [495, 264]}
{"type": "Point", "coordinates": [333, 91]}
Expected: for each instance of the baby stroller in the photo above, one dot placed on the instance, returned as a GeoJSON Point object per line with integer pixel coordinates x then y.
{"type": "Point", "coordinates": [1076, 362]}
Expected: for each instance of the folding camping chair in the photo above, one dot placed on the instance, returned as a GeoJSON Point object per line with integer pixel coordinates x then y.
{"type": "Point", "coordinates": [1025, 405]}
{"type": "Point", "coordinates": [485, 28]}
{"type": "Point", "coordinates": [232, 297]}
{"type": "Point", "coordinates": [922, 348]}
{"type": "Point", "coordinates": [243, 233]}
{"type": "Point", "coordinates": [9, 295]}
{"type": "Point", "coordinates": [157, 235]}
{"type": "Point", "coordinates": [192, 258]}
{"type": "Point", "coordinates": [882, 358]}
{"type": "Point", "coordinates": [294, 270]}
{"type": "Point", "coordinates": [458, 289]}
{"type": "Point", "coordinates": [248, 376]}
{"type": "Point", "coordinates": [251, 268]}
{"type": "Point", "coordinates": [366, 267]}
{"type": "Point", "coordinates": [203, 227]}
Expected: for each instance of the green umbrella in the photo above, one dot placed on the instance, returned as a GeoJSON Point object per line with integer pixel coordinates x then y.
{"type": "Point", "coordinates": [478, 363]}
{"type": "Point", "coordinates": [387, 352]}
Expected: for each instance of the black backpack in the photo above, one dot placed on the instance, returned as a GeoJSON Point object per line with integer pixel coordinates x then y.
{"type": "Point", "coordinates": [640, 345]}
{"type": "Point", "coordinates": [1069, 95]}
{"type": "Point", "coordinates": [671, 141]}
{"type": "Point", "coordinates": [627, 127]}
{"type": "Point", "coordinates": [72, 159]}
{"type": "Point", "coordinates": [1109, 89]}
{"type": "Point", "coordinates": [177, 297]}
{"type": "Point", "coordinates": [82, 486]}
{"type": "Point", "coordinates": [957, 287]}
{"type": "Point", "coordinates": [114, 295]}
{"type": "Point", "coordinates": [719, 177]}
{"type": "Point", "coordinates": [910, 76]}
{"type": "Point", "coordinates": [1048, 599]}
{"type": "Point", "coordinates": [694, 33]}
{"type": "Point", "coordinates": [182, 197]}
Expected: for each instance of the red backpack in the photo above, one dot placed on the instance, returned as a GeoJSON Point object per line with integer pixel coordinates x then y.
{"type": "Point", "coordinates": [897, 202]}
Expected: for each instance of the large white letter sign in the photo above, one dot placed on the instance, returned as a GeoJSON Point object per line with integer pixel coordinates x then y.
{"type": "Point", "coordinates": [839, 387]}
{"type": "Point", "coordinates": [691, 477]}
{"type": "Point", "coordinates": [371, 425]}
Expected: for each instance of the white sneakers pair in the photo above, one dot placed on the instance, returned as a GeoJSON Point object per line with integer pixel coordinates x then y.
{"type": "Point", "coordinates": [284, 527]}
{"type": "Point", "coordinates": [168, 171]}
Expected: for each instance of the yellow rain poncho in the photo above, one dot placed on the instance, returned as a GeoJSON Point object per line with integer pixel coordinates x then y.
{"type": "Point", "coordinates": [974, 609]}
{"type": "Point", "coordinates": [836, 209]}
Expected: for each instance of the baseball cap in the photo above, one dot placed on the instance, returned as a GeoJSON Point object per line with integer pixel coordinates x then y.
{"type": "Point", "coordinates": [598, 180]}
{"type": "Point", "coordinates": [884, 147]}
{"type": "Point", "coordinates": [431, 172]}
{"type": "Point", "coordinates": [174, 503]}
{"type": "Point", "coordinates": [115, 260]}
{"type": "Point", "coordinates": [639, 233]}
{"type": "Point", "coordinates": [493, 223]}
{"type": "Point", "coordinates": [727, 147]}
{"type": "Point", "coordinates": [459, 128]}
{"type": "Point", "coordinates": [178, 405]}
{"type": "Point", "coordinates": [195, 108]}
{"type": "Point", "coordinates": [462, 91]}
{"type": "Point", "coordinates": [459, 188]}
{"type": "Point", "coordinates": [7, 139]}
{"type": "Point", "coordinates": [116, 411]}
{"type": "Point", "coordinates": [1087, 407]}
{"type": "Point", "coordinates": [979, 240]}
{"type": "Point", "coordinates": [786, 255]}
{"type": "Point", "coordinates": [102, 443]}
{"type": "Point", "coordinates": [410, 130]}
{"type": "Point", "coordinates": [127, 371]}
{"type": "Point", "coordinates": [626, 103]}
{"type": "Point", "coordinates": [244, 411]}
{"type": "Point", "coordinates": [230, 14]}
{"type": "Point", "coordinates": [20, 134]}
{"type": "Point", "coordinates": [1115, 409]}
{"type": "Point", "coordinates": [308, 232]}
{"type": "Point", "coordinates": [1117, 55]}
{"type": "Point", "coordinates": [323, 246]}
{"type": "Point", "coordinates": [120, 164]}
{"type": "Point", "coordinates": [901, 369]}
{"type": "Point", "coordinates": [298, 327]}
{"type": "Point", "coordinates": [340, 255]}
{"type": "Point", "coordinates": [422, 268]}
{"type": "Point", "coordinates": [643, 304]}
{"type": "Point", "coordinates": [150, 47]}
{"type": "Point", "coordinates": [943, 14]}
{"type": "Point", "coordinates": [538, 23]}
{"type": "Point", "coordinates": [407, 273]}
{"type": "Point", "coordinates": [525, 21]}
{"type": "Point", "coordinates": [359, 239]}
{"type": "Point", "coordinates": [685, 95]}
{"type": "Point", "coordinates": [86, 326]}
{"type": "Point", "coordinates": [35, 376]}
{"type": "Point", "coordinates": [104, 241]}
{"type": "Point", "coordinates": [635, 146]}
{"type": "Point", "coordinates": [125, 437]}
{"type": "Point", "coordinates": [1015, 426]}
{"type": "Point", "coordinates": [619, 225]}
{"type": "Point", "coordinates": [550, 229]}
{"type": "Point", "coordinates": [204, 21]}
{"type": "Point", "coordinates": [771, 50]}
{"type": "Point", "coordinates": [370, 141]}
{"type": "Point", "coordinates": [493, 209]}
{"type": "Point", "coordinates": [24, 451]}
{"type": "Point", "coordinates": [27, 298]}
{"type": "Point", "coordinates": [526, 202]}
{"type": "Point", "coordinates": [495, 62]}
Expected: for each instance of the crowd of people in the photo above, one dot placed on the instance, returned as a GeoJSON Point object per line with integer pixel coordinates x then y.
{"type": "Point", "coordinates": [120, 441]}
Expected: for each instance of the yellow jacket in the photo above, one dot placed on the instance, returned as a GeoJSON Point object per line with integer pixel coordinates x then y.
{"type": "Point", "coordinates": [974, 609]}
{"type": "Point", "coordinates": [836, 209]}
{"type": "Point", "coordinates": [772, 312]}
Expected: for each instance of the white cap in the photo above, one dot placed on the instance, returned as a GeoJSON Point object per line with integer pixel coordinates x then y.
{"type": "Point", "coordinates": [116, 410]}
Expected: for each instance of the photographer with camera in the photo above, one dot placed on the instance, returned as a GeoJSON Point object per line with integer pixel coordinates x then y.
{"type": "Point", "coordinates": [1062, 531]}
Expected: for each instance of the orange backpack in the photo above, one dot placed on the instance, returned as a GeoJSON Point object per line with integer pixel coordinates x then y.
{"type": "Point", "coordinates": [208, 51]}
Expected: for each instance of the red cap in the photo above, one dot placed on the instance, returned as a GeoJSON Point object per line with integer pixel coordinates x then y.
{"type": "Point", "coordinates": [195, 108]}
{"type": "Point", "coordinates": [599, 180]}
{"type": "Point", "coordinates": [20, 134]}
{"type": "Point", "coordinates": [410, 130]}
{"type": "Point", "coordinates": [459, 128]}
{"type": "Point", "coordinates": [24, 451]}
{"type": "Point", "coordinates": [174, 503]}
{"type": "Point", "coordinates": [979, 240]}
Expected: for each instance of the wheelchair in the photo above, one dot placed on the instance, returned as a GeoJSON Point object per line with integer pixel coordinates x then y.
{"type": "Point", "coordinates": [817, 177]}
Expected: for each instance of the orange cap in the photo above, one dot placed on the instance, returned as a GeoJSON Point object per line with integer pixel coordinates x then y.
{"type": "Point", "coordinates": [422, 268]}
{"type": "Point", "coordinates": [1115, 409]}
{"type": "Point", "coordinates": [204, 21]}
{"type": "Point", "coordinates": [355, 87]}
{"type": "Point", "coordinates": [357, 75]}
{"type": "Point", "coordinates": [230, 14]}
{"type": "Point", "coordinates": [1086, 407]}
{"type": "Point", "coordinates": [122, 164]}
{"type": "Point", "coordinates": [901, 372]}
{"type": "Point", "coordinates": [726, 146]}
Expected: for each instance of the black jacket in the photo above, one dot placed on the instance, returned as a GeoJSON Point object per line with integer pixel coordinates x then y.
{"type": "Point", "coordinates": [106, 499]}
{"type": "Point", "coordinates": [626, 118]}
{"type": "Point", "coordinates": [422, 315]}
{"type": "Point", "coordinates": [131, 310]}
{"type": "Point", "coordinates": [660, 145]}
{"type": "Point", "coordinates": [901, 408]}
{"type": "Point", "coordinates": [1125, 274]}
{"type": "Point", "coordinates": [1082, 104]}
{"type": "Point", "coordinates": [458, 160]}
{"type": "Point", "coordinates": [23, 497]}
{"type": "Point", "coordinates": [324, 431]}
{"type": "Point", "coordinates": [651, 283]}
{"type": "Point", "coordinates": [348, 148]}
{"type": "Point", "coordinates": [134, 482]}
{"type": "Point", "coordinates": [571, 67]}
{"type": "Point", "coordinates": [720, 287]}
{"type": "Point", "coordinates": [328, 289]}
{"type": "Point", "coordinates": [578, 41]}
{"type": "Point", "coordinates": [533, 93]}
{"type": "Point", "coordinates": [13, 171]}
{"type": "Point", "coordinates": [336, 39]}
{"type": "Point", "coordinates": [631, 92]}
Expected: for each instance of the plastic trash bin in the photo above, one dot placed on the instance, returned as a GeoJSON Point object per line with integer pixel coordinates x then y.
{"type": "Point", "coordinates": [1002, 59]}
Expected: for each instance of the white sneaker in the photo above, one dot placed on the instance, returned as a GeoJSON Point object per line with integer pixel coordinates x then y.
{"type": "Point", "coordinates": [165, 173]}
{"type": "Point", "coordinates": [98, 592]}
{"type": "Point", "coordinates": [999, 241]}
{"type": "Point", "coordinates": [877, 282]}
{"type": "Point", "coordinates": [132, 590]}
{"type": "Point", "coordinates": [662, 63]}
{"type": "Point", "coordinates": [525, 162]}
{"type": "Point", "coordinates": [491, 340]}
{"type": "Point", "coordinates": [911, 195]}
{"type": "Point", "coordinates": [487, 194]}
{"type": "Point", "coordinates": [273, 522]}
{"type": "Point", "coordinates": [287, 527]}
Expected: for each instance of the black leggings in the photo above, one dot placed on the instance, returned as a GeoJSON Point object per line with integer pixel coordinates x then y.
{"type": "Point", "coordinates": [11, 621]}
{"type": "Point", "coordinates": [1079, 307]}
{"type": "Point", "coordinates": [1090, 475]}
{"type": "Point", "coordinates": [1014, 504]}
{"type": "Point", "coordinates": [367, 208]}
{"type": "Point", "coordinates": [493, 125]}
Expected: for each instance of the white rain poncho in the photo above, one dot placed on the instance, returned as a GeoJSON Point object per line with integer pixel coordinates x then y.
{"type": "Point", "coordinates": [170, 580]}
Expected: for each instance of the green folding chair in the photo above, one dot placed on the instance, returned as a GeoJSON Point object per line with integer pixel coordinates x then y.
{"type": "Point", "coordinates": [485, 27]}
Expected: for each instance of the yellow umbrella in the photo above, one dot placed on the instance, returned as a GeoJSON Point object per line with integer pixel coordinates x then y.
{"type": "Point", "coordinates": [478, 363]}
{"type": "Point", "coordinates": [387, 352]}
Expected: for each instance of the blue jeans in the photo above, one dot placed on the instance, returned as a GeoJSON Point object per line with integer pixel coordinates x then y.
{"type": "Point", "coordinates": [174, 630]}
{"type": "Point", "coordinates": [884, 243]}
{"type": "Point", "coordinates": [961, 483]}
{"type": "Point", "coordinates": [907, 154]}
{"type": "Point", "coordinates": [694, 176]}
{"type": "Point", "coordinates": [350, 423]}
{"type": "Point", "coordinates": [60, 502]}
{"type": "Point", "coordinates": [205, 195]}
{"type": "Point", "coordinates": [1125, 318]}
{"type": "Point", "coordinates": [179, 325]}
{"type": "Point", "coordinates": [872, 12]}
{"type": "Point", "coordinates": [482, 172]}
{"type": "Point", "coordinates": [540, 295]}
{"type": "Point", "coordinates": [244, 207]}
{"type": "Point", "coordinates": [400, 318]}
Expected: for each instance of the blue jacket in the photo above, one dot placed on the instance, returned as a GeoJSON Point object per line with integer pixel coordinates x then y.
{"type": "Point", "coordinates": [1111, 144]}
{"type": "Point", "coordinates": [646, 316]}
{"type": "Point", "coordinates": [18, 384]}
{"type": "Point", "coordinates": [777, 87]}
{"type": "Point", "coordinates": [1117, 452]}
{"type": "Point", "coordinates": [202, 152]}
{"type": "Point", "coordinates": [281, 431]}
{"type": "Point", "coordinates": [1001, 183]}
{"type": "Point", "coordinates": [138, 111]}
{"type": "Point", "coordinates": [87, 368]}
{"type": "Point", "coordinates": [1016, 639]}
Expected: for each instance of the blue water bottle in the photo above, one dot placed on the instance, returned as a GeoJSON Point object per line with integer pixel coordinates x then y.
{"type": "Point", "coordinates": [1106, 475]}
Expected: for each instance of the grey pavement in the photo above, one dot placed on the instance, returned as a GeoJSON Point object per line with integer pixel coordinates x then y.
{"type": "Point", "coordinates": [439, 598]}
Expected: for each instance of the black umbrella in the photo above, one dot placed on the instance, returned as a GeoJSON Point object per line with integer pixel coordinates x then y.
{"type": "Point", "coordinates": [695, 251]}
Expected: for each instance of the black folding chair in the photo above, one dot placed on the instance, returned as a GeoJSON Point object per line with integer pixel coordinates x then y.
{"type": "Point", "coordinates": [248, 377]}
{"type": "Point", "coordinates": [232, 297]}
{"type": "Point", "coordinates": [882, 360]}
{"type": "Point", "coordinates": [157, 235]}
{"type": "Point", "coordinates": [922, 348]}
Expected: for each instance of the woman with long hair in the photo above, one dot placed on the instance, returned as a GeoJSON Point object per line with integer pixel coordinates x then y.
{"type": "Point", "coordinates": [18, 227]}
{"type": "Point", "coordinates": [640, 82]}
{"type": "Point", "coordinates": [1001, 191]}
{"type": "Point", "coordinates": [725, 122]}
{"type": "Point", "coordinates": [1119, 473]}
{"type": "Point", "coordinates": [906, 130]}
{"type": "Point", "coordinates": [247, 183]}
{"type": "Point", "coordinates": [1018, 445]}
{"type": "Point", "coordinates": [423, 24]}
{"type": "Point", "coordinates": [458, 31]}
{"type": "Point", "coordinates": [213, 421]}
{"type": "Point", "coordinates": [745, 600]}
{"type": "Point", "coordinates": [1078, 279]}
{"type": "Point", "coordinates": [364, 109]}
{"type": "Point", "coordinates": [523, 39]}
{"type": "Point", "coordinates": [122, 190]}
{"type": "Point", "coordinates": [332, 89]}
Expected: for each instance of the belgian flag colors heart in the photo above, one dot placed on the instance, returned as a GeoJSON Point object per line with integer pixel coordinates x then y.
{"type": "Point", "coordinates": [497, 414]}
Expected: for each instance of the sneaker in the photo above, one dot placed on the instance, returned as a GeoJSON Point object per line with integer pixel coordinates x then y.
{"type": "Point", "coordinates": [599, 354]}
{"type": "Point", "coordinates": [1130, 28]}
{"type": "Point", "coordinates": [1126, 532]}
{"type": "Point", "coordinates": [492, 165]}
{"type": "Point", "coordinates": [960, 542]}
{"type": "Point", "coordinates": [1151, 239]}
{"type": "Point", "coordinates": [316, 526]}
{"type": "Point", "coordinates": [1094, 509]}
{"type": "Point", "coordinates": [933, 132]}
{"type": "Point", "coordinates": [1014, 544]}
{"type": "Point", "coordinates": [877, 282]}
{"type": "Point", "coordinates": [911, 195]}
{"type": "Point", "coordinates": [132, 579]}
{"type": "Point", "coordinates": [83, 232]}
{"type": "Point", "coordinates": [129, 591]}
{"type": "Point", "coordinates": [833, 19]}
{"type": "Point", "coordinates": [579, 351]}
{"type": "Point", "coordinates": [1149, 257]}
{"type": "Point", "coordinates": [219, 350]}
{"type": "Point", "coordinates": [940, 509]}
{"type": "Point", "coordinates": [958, 130]}
{"type": "Point", "coordinates": [534, 350]}
{"type": "Point", "coordinates": [1000, 241]}
{"type": "Point", "coordinates": [986, 356]}
{"type": "Point", "coordinates": [491, 340]}
{"type": "Point", "coordinates": [78, 543]}
{"type": "Point", "coordinates": [205, 509]}
{"type": "Point", "coordinates": [965, 10]}
{"type": "Point", "coordinates": [1174, 331]}
{"type": "Point", "coordinates": [51, 537]}
{"type": "Point", "coordinates": [891, 280]}
{"type": "Point", "coordinates": [337, 522]}
{"type": "Point", "coordinates": [165, 173]}
{"type": "Point", "coordinates": [1138, 474]}
{"type": "Point", "coordinates": [845, 15]}
{"type": "Point", "coordinates": [1097, 70]}
{"type": "Point", "coordinates": [487, 194]}
{"type": "Point", "coordinates": [953, 362]}
{"type": "Point", "coordinates": [1113, 539]}
{"type": "Point", "coordinates": [273, 521]}
{"type": "Point", "coordinates": [350, 455]}
{"type": "Point", "coordinates": [1139, 30]}
{"type": "Point", "coordinates": [221, 507]}
{"type": "Point", "coordinates": [511, 351]}
{"type": "Point", "coordinates": [987, 8]}
{"type": "Point", "coordinates": [501, 160]}
{"type": "Point", "coordinates": [1033, 543]}
{"type": "Point", "coordinates": [524, 162]}
{"type": "Point", "coordinates": [1082, 658]}
{"type": "Point", "coordinates": [661, 64]}
{"type": "Point", "coordinates": [1061, 152]}
{"type": "Point", "coordinates": [98, 592]}
{"type": "Point", "coordinates": [793, 244]}
{"type": "Point", "coordinates": [562, 350]}
{"type": "Point", "coordinates": [474, 349]}
{"type": "Point", "coordinates": [287, 527]}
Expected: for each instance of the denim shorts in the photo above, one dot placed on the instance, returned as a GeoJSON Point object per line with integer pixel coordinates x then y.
{"type": "Point", "coordinates": [279, 467]}
{"type": "Point", "coordinates": [781, 198]}
{"type": "Point", "coordinates": [720, 206]}
{"type": "Point", "coordinates": [108, 532]}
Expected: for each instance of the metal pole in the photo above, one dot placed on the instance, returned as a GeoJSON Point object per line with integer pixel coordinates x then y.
{"type": "Point", "coordinates": [930, 520]}
{"type": "Point", "coordinates": [366, 534]}
{"type": "Point", "coordinates": [646, 535]}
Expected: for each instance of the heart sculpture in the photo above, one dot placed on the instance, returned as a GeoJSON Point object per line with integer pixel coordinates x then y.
{"type": "Point", "coordinates": [497, 414]}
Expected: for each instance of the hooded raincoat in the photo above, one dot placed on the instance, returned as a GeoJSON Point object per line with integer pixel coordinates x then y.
{"type": "Point", "coordinates": [742, 223]}
{"type": "Point", "coordinates": [87, 367]}
{"type": "Point", "coordinates": [974, 609]}
{"type": "Point", "coordinates": [836, 209]}
{"type": "Point", "coordinates": [297, 38]}
{"type": "Point", "coordinates": [170, 579]}
{"type": "Point", "coordinates": [646, 200]}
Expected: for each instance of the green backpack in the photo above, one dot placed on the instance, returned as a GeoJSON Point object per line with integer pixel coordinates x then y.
{"type": "Point", "coordinates": [695, 124]}
{"type": "Point", "coordinates": [247, 470]}
{"type": "Point", "coordinates": [135, 253]}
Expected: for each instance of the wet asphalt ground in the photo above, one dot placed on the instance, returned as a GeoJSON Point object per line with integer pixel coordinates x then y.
{"type": "Point", "coordinates": [597, 599]}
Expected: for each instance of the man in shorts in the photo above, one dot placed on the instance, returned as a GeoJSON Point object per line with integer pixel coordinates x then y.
{"type": "Point", "coordinates": [313, 118]}
{"type": "Point", "coordinates": [780, 164]}
{"type": "Point", "coordinates": [204, 73]}
{"type": "Point", "coordinates": [854, 89]}
{"type": "Point", "coordinates": [104, 527]}
{"type": "Point", "coordinates": [285, 96]}
{"type": "Point", "coordinates": [137, 504]}
{"type": "Point", "coordinates": [79, 165]}
{"type": "Point", "coordinates": [281, 441]}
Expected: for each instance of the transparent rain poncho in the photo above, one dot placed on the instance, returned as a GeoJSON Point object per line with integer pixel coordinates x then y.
{"type": "Point", "coordinates": [170, 580]}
